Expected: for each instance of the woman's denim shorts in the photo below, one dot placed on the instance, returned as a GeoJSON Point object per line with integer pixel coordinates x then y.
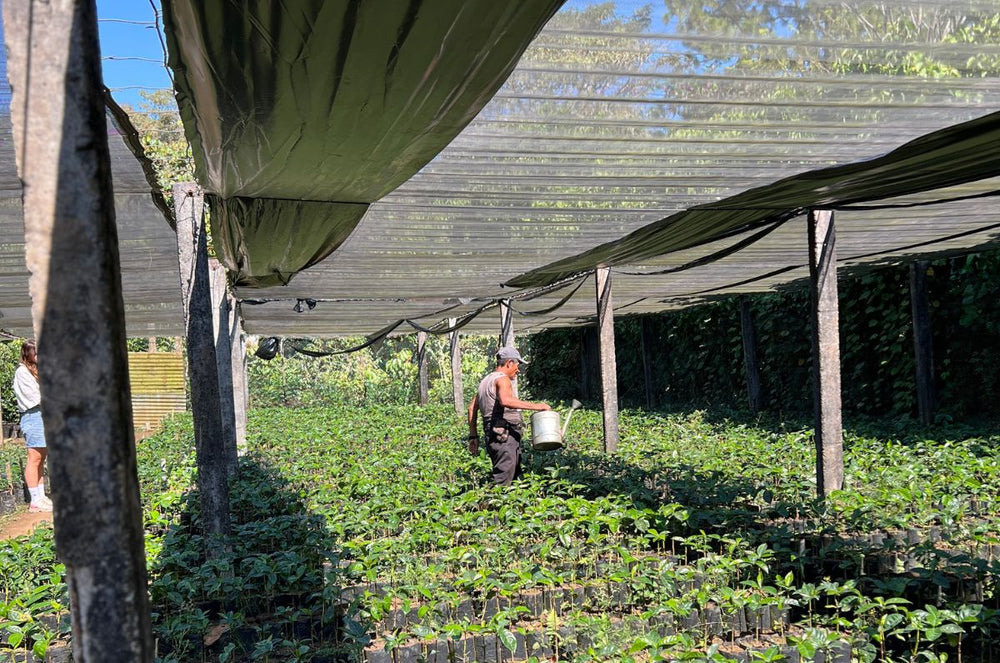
{"type": "Point", "coordinates": [31, 426]}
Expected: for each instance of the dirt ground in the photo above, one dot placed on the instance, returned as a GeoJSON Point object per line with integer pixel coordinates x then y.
{"type": "Point", "coordinates": [22, 523]}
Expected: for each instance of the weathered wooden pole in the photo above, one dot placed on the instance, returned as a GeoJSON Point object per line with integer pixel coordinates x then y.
{"type": "Point", "coordinates": [606, 343]}
{"type": "Point", "coordinates": [506, 324]}
{"type": "Point", "coordinates": [749, 333]}
{"type": "Point", "coordinates": [923, 341]}
{"type": "Point", "coordinates": [152, 344]}
{"type": "Point", "coordinates": [221, 328]}
{"type": "Point", "coordinates": [826, 352]}
{"type": "Point", "coordinates": [210, 448]}
{"type": "Point", "coordinates": [422, 367]}
{"type": "Point", "coordinates": [507, 332]}
{"type": "Point", "coordinates": [456, 369]}
{"type": "Point", "coordinates": [71, 243]}
{"type": "Point", "coordinates": [241, 392]}
{"type": "Point", "coordinates": [646, 343]}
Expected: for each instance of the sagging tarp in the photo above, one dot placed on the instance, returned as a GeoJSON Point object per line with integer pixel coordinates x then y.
{"type": "Point", "coordinates": [955, 155]}
{"type": "Point", "coordinates": [301, 114]}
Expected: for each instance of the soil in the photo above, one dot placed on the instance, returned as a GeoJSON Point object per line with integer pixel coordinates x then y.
{"type": "Point", "coordinates": [22, 523]}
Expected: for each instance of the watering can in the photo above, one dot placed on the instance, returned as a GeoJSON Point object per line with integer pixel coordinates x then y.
{"type": "Point", "coordinates": [545, 432]}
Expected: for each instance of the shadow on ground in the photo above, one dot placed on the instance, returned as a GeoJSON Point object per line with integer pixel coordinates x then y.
{"type": "Point", "coordinates": [272, 594]}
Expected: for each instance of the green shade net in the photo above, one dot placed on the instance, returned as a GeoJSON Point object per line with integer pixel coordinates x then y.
{"type": "Point", "coordinates": [952, 156]}
{"type": "Point", "coordinates": [288, 105]}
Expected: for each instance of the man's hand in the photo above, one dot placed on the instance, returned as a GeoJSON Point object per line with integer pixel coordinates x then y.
{"type": "Point", "coordinates": [542, 407]}
{"type": "Point", "coordinates": [474, 445]}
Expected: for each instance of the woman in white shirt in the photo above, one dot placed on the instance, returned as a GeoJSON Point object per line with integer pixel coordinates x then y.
{"type": "Point", "coordinates": [29, 403]}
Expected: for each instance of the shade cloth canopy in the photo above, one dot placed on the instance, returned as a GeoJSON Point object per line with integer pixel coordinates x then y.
{"type": "Point", "coordinates": [621, 115]}
{"type": "Point", "coordinates": [289, 105]}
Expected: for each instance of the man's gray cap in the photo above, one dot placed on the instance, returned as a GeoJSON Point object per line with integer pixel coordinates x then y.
{"type": "Point", "coordinates": [507, 353]}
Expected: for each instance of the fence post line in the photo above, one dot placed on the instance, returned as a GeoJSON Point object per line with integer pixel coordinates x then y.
{"type": "Point", "coordinates": [606, 343]}
{"type": "Point", "coordinates": [456, 368]}
{"type": "Point", "coordinates": [203, 371]}
{"type": "Point", "coordinates": [826, 352]}
{"type": "Point", "coordinates": [923, 341]}
{"type": "Point", "coordinates": [71, 249]}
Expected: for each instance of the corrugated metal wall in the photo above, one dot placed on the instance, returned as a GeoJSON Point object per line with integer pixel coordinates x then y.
{"type": "Point", "coordinates": [158, 386]}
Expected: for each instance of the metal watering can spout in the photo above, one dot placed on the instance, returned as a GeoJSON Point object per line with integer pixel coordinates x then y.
{"type": "Point", "coordinates": [573, 406]}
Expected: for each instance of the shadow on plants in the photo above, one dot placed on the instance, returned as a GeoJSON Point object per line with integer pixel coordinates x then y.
{"type": "Point", "coordinates": [275, 595]}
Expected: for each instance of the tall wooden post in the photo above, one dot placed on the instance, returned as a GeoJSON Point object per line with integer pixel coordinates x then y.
{"type": "Point", "coordinates": [507, 332]}
{"type": "Point", "coordinates": [826, 352]}
{"type": "Point", "coordinates": [609, 377]}
{"type": "Point", "coordinates": [422, 367]}
{"type": "Point", "coordinates": [71, 243]}
{"type": "Point", "coordinates": [456, 369]}
{"type": "Point", "coordinates": [210, 449]}
{"type": "Point", "coordinates": [506, 324]}
{"type": "Point", "coordinates": [241, 395]}
{"type": "Point", "coordinates": [749, 333]}
{"type": "Point", "coordinates": [221, 328]}
{"type": "Point", "coordinates": [923, 342]}
{"type": "Point", "coordinates": [646, 343]}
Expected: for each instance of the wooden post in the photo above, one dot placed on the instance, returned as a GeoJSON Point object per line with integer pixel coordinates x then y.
{"type": "Point", "coordinates": [826, 352]}
{"type": "Point", "coordinates": [422, 366]}
{"type": "Point", "coordinates": [507, 332]}
{"type": "Point", "coordinates": [646, 343]}
{"type": "Point", "coordinates": [211, 452]}
{"type": "Point", "coordinates": [749, 329]}
{"type": "Point", "coordinates": [923, 342]}
{"type": "Point", "coordinates": [609, 377]}
{"type": "Point", "coordinates": [241, 395]}
{"type": "Point", "coordinates": [152, 344]}
{"type": "Point", "coordinates": [222, 316]}
{"type": "Point", "coordinates": [506, 324]}
{"type": "Point", "coordinates": [71, 244]}
{"type": "Point", "coordinates": [456, 369]}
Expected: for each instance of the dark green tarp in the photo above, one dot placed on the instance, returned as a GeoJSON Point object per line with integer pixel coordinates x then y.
{"type": "Point", "coordinates": [955, 155]}
{"type": "Point", "coordinates": [291, 104]}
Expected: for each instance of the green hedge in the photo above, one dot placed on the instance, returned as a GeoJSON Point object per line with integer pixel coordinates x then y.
{"type": "Point", "coordinates": [698, 355]}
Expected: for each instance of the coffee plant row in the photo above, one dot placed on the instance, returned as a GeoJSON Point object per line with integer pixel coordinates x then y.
{"type": "Point", "coordinates": [372, 535]}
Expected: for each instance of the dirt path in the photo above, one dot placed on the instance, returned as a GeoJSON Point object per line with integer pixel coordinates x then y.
{"type": "Point", "coordinates": [22, 523]}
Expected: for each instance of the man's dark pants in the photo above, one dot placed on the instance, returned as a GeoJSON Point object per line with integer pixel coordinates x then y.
{"type": "Point", "coordinates": [506, 457]}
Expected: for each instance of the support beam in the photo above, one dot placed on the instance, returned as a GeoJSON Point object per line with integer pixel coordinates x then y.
{"type": "Point", "coordinates": [606, 343]}
{"type": "Point", "coordinates": [221, 329]}
{"type": "Point", "coordinates": [241, 392]}
{"type": "Point", "coordinates": [506, 324]}
{"type": "Point", "coordinates": [749, 332]}
{"type": "Point", "coordinates": [211, 452]}
{"type": "Point", "coordinates": [826, 352]}
{"type": "Point", "coordinates": [923, 342]}
{"type": "Point", "coordinates": [456, 369]}
{"type": "Point", "coordinates": [646, 343]}
{"type": "Point", "coordinates": [152, 344]}
{"type": "Point", "coordinates": [71, 242]}
{"type": "Point", "coordinates": [422, 367]}
{"type": "Point", "coordinates": [507, 332]}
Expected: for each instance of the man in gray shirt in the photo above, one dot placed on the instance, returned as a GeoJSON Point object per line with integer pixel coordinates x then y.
{"type": "Point", "coordinates": [502, 422]}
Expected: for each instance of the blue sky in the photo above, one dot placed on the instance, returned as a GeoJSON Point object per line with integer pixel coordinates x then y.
{"type": "Point", "coordinates": [135, 39]}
